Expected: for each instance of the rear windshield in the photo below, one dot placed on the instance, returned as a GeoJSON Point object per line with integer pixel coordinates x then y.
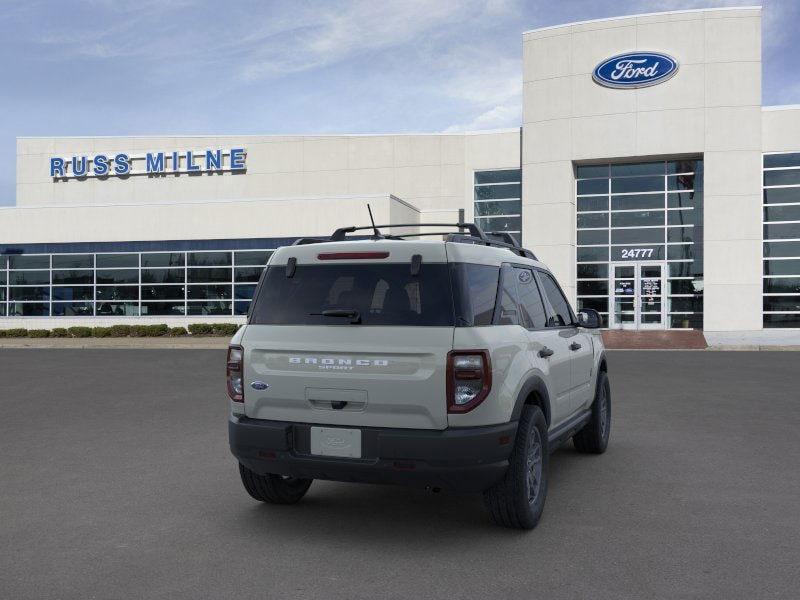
{"type": "Point", "coordinates": [381, 294]}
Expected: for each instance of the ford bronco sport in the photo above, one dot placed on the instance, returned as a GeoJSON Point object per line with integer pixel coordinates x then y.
{"type": "Point", "coordinates": [454, 363]}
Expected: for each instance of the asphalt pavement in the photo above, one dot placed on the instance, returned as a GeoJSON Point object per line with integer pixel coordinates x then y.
{"type": "Point", "coordinates": [116, 482]}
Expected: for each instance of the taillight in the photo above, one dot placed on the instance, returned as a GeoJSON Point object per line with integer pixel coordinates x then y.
{"type": "Point", "coordinates": [469, 379]}
{"type": "Point", "coordinates": [235, 373]}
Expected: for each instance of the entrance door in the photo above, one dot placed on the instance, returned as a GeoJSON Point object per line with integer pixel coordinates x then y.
{"type": "Point", "coordinates": [637, 295]}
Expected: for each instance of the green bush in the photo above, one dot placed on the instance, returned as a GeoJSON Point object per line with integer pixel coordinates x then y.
{"type": "Point", "coordinates": [101, 332]}
{"type": "Point", "coordinates": [119, 330]}
{"type": "Point", "coordinates": [16, 332]}
{"type": "Point", "coordinates": [38, 333]}
{"type": "Point", "coordinates": [201, 329]}
{"type": "Point", "coordinates": [59, 332]}
{"type": "Point", "coordinates": [80, 332]}
{"type": "Point", "coordinates": [177, 331]}
{"type": "Point", "coordinates": [157, 330]}
{"type": "Point", "coordinates": [138, 331]}
{"type": "Point", "coordinates": [227, 329]}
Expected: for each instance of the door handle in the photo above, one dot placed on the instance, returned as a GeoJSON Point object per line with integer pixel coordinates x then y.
{"type": "Point", "coordinates": [574, 346]}
{"type": "Point", "coordinates": [545, 352]}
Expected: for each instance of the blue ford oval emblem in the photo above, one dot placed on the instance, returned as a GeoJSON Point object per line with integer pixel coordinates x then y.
{"type": "Point", "coordinates": [635, 70]}
{"type": "Point", "coordinates": [259, 385]}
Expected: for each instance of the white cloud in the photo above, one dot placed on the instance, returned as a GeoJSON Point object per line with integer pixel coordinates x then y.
{"type": "Point", "coordinates": [497, 117]}
{"type": "Point", "coordinates": [332, 35]}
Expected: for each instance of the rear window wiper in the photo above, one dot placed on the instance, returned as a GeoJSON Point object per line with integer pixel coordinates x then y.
{"type": "Point", "coordinates": [353, 315]}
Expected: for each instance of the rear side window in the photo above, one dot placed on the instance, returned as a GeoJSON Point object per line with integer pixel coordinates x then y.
{"type": "Point", "coordinates": [562, 313]}
{"type": "Point", "coordinates": [530, 300]}
{"type": "Point", "coordinates": [474, 293]}
{"type": "Point", "coordinates": [382, 294]}
{"type": "Point", "coordinates": [507, 309]}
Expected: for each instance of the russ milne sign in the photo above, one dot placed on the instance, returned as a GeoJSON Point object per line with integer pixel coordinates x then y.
{"type": "Point", "coordinates": [150, 163]}
{"type": "Point", "coordinates": [635, 70]}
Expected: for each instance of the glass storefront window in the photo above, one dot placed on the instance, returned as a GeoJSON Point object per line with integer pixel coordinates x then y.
{"type": "Point", "coordinates": [29, 261]}
{"type": "Point", "coordinates": [251, 257]}
{"type": "Point", "coordinates": [498, 201]}
{"type": "Point", "coordinates": [163, 259]}
{"type": "Point", "coordinates": [209, 292]}
{"type": "Point", "coordinates": [66, 277]}
{"type": "Point", "coordinates": [117, 261]}
{"type": "Point", "coordinates": [70, 292]}
{"type": "Point", "coordinates": [208, 259]}
{"type": "Point", "coordinates": [73, 261]}
{"type": "Point", "coordinates": [29, 277]}
{"type": "Point", "coordinates": [117, 276]}
{"type": "Point", "coordinates": [209, 308]}
{"type": "Point", "coordinates": [247, 273]}
{"type": "Point", "coordinates": [647, 211]}
{"type": "Point", "coordinates": [128, 284]}
{"type": "Point", "coordinates": [781, 214]}
{"type": "Point", "coordinates": [163, 276]}
{"type": "Point", "coordinates": [209, 275]}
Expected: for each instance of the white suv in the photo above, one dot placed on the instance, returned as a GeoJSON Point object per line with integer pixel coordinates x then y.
{"type": "Point", "coordinates": [454, 363]}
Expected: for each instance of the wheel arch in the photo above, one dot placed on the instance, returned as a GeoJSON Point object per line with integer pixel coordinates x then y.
{"type": "Point", "coordinates": [602, 364]}
{"type": "Point", "coordinates": [534, 392]}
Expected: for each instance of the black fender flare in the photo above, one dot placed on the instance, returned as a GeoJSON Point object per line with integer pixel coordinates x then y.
{"type": "Point", "coordinates": [534, 383]}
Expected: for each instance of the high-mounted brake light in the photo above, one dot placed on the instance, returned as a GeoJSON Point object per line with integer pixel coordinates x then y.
{"type": "Point", "coordinates": [235, 373]}
{"type": "Point", "coordinates": [351, 255]}
{"type": "Point", "coordinates": [469, 379]}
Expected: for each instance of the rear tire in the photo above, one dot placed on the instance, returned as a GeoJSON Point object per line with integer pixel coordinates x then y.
{"type": "Point", "coordinates": [518, 499]}
{"type": "Point", "coordinates": [273, 489]}
{"type": "Point", "coordinates": [593, 438]}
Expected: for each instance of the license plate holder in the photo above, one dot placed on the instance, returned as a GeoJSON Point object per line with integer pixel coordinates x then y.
{"type": "Point", "coordinates": [336, 441]}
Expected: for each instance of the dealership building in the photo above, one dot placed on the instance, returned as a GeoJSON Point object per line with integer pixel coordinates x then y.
{"type": "Point", "coordinates": [646, 173]}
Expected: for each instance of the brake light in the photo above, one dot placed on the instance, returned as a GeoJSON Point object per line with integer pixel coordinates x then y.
{"type": "Point", "coordinates": [469, 379]}
{"type": "Point", "coordinates": [351, 255]}
{"type": "Point", "coordinates": [235, 373]}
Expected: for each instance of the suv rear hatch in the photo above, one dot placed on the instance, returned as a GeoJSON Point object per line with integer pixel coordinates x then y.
{"type": "Point", "coordinates": [351, 333]}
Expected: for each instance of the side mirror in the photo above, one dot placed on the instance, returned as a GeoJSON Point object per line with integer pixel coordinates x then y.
{"type": "Point", "coordinates": [589, 318]}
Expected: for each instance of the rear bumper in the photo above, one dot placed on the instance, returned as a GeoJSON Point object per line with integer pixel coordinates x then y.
{"type": "Point", "coordinates": [468, 459]}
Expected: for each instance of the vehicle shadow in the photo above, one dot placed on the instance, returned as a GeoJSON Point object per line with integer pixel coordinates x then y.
{"type": "Point", "coordinates": [355, 512]}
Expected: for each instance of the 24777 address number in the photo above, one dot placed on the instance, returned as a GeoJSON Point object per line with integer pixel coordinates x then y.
{"type": "Point", "coordinates": [637, 252]}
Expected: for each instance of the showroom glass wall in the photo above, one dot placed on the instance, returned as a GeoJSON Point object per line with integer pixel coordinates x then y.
{"type": "Point", "coordinates": [781, 301]}
{"type": "Point", "coordinates": [646, 212]}
{"type": "Point", "coordinates": [498, 201]}
{"type": "Point", "coordinates": [130, 284]}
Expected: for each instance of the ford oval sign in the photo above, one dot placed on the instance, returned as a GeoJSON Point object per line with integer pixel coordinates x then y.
{"type": "Point", "coordinates": [635, 70]}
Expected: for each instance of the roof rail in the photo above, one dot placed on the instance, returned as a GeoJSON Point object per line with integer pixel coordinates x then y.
{"type": "Point", "coordinates": [473, 235]}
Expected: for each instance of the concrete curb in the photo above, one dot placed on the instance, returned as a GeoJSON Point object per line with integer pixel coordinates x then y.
{"type": "Point", "coordinates": [199, 343]}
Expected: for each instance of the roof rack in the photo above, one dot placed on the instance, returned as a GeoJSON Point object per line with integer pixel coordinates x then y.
{"type": "Point", "coordinates": [473, 235]}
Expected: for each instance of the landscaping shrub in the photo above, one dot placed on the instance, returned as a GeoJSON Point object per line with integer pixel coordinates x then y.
{"type": "Point", "coordinates": [120, 330]}
{"type": "Point", "coordinates": [101, 332]}
{"type": "Point", "coordinates": [201, 329]}
{"type": "Point", "coordinates": [224, 328]}
{"type": "Point", "coordinates": [16, 332]}
{"type": "Point", "coordinates": [59, 332]}
{"type": "Point", "coordinates": [138, 331]}
{"type": "Point", "coordinates": [177, 331]}
{"type": "Point", "coordinates": [39, 333]}
{"type": "Point", "coordinates": [80, 332]}
{"type": "Point", "coordinates": [156, 330]}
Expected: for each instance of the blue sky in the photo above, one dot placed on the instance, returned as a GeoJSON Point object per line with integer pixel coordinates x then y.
{"type": "Point", "coordinates": [104, 67]}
